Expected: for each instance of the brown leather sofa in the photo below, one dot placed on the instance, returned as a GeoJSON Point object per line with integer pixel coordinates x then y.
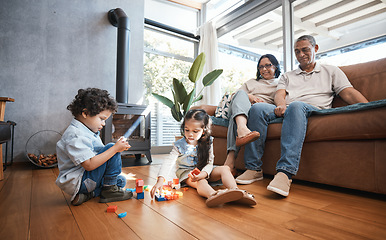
{"type": "Point", "coordinates": [344, 149]}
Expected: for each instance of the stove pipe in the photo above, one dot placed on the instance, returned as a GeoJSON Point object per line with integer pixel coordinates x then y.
{"type": "Point", "coordinates": [119, 19]}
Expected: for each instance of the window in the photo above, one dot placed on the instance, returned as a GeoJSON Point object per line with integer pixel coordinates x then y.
{"type": "Point", "coordinates": [241, 48]}
{"type": "Point", "coordinates": [166, 57]}
{"type": "Point", "coordinates": [347, 32]}
{"type": "Point", "coordinates": [169, 51]}
{"type": "Point", "coordinates": [357, 53]}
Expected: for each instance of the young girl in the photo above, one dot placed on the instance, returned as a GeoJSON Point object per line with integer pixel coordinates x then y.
{"type": "Point", "coordinates": [195, 149]}
{"type": "Point", "coordinates": [87, 167]}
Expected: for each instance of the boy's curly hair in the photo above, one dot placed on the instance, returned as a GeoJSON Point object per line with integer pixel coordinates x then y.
{"type": "Point", "coordinates": [93, 101]}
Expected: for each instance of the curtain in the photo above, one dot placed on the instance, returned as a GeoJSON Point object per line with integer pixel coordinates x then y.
{"type": "Point", "coordinates": [209, 45]}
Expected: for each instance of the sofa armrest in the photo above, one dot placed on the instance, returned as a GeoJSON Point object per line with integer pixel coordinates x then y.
{"type": "Point", "coordinates": [210, 109]}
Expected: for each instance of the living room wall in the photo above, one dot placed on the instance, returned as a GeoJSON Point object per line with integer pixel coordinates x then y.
{"type": "Point", "coordinates": [51, 48]}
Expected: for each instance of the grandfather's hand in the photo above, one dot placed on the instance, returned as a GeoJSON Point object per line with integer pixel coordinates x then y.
{"type": "Point", "coordinates": [280, 110]}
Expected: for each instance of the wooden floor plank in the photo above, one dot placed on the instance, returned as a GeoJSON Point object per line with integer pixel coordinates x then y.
{"type": "Point", "coordinates": [369, 213]}
{"type": "Point", "coordinates": [51, 217]}
{"type": "Point", "coordinates": [15, 200]}
{"type": "Point", "coordinates": [95, 223]}
{"type": "Point", "coordinates": [194, 222]}
{"type": "Point", "coordinates": [147, 223]}
{"type": "Point", "coordinates": [337, 226]}
{"type": "Point", "coordinates": [6, 174]}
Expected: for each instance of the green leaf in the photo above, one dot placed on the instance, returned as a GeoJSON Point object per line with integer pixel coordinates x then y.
{"type": "Point", "coordinates": [164, 100]}
{"type": "Point", "coordinates": [188, 101]}
{"type": "Point", "coordinates": [198, 99]}
{"type": "Point", "coordinates": [211, 77]}
{"type": "Point", "coordinates": [177, 115]}
{"type": "Point", "coordinates": [197, 67]}
{"type": "Point", "coordinates": [176, 105]}
{"type": "Point", "coordinates": [179, 90]}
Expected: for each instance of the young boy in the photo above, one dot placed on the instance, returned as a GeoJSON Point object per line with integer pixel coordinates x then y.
{"type": "Point", "coordinates": [88, 168]}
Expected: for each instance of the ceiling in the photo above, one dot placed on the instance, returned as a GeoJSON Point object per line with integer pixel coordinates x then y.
{"type": "Point", "coordinates": [334, 24]}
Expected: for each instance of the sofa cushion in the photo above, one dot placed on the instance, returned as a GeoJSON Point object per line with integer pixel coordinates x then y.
{"type": "Point", "coordinates": [368, 78]}
{"type": "Point", "coordinates": [368, 124]}
{"type": "Point", "coordinates": [222, 110]}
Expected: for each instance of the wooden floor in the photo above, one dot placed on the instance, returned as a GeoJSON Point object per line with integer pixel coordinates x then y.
{"type": "Point", "coordinates": [33, 207]}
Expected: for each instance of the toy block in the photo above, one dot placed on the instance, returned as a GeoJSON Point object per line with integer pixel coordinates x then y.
{"type": "Point", "coordinates": [176, 181]}
{"type": "Point", "coordinates": [146, 188]}
{"type": "Point", "coordinates": [112, 209]}
{"type": "Point", "coordinates": [169, 197]}
{"type": "Point", "coordinates": [159, 198]}
{"type": "Point", "coordinates": [139, 183]}
{"type": "Point", "coordinates": [196, 171]}
{"type": "Point", "coordinates": [139, 189]}
{"type": "Point", "coordinates": [122, 215]}
{"type": "Point", "coordinates": [175, 196]}
{"type": "Point", "coordinates": [130, 189]}
{"type": "Point", "coordinates": [141, 195]}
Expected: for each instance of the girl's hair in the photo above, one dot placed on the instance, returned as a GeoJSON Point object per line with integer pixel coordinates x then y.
{"type": "Point", "coordinates": [93, 101]}
{"type": "Point", "coordinates": [203, 145]}
{"type": "Point", "coordinates": [274, 62]}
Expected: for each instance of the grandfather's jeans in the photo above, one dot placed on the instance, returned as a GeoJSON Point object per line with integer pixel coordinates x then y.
{"type": "Point", "coordinates": [293, 133]}
{"type": "Point", "coordinates": [105, 174]}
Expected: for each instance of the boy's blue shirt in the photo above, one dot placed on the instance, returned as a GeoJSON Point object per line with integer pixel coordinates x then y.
{"type": "Point", "coordinates": [77, 145]}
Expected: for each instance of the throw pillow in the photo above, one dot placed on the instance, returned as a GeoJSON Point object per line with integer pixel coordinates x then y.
{"type": "Point", "coordinates": [222, 110]}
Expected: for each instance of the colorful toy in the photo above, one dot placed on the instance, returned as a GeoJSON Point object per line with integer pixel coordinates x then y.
{"type": "Point", "coordinates": [196, 171]}
{"type": "Point", "coordinates": [139, 185]}
{"type": "Point", "coordinates": [141, 195]}
{"type": "Point", "coordinates": [122, 215]}
{"type": "Point", "coordinates": [159, 198]}
{"type": "Point", "coordinates": [112, 209]}
{"type": "Point", "coordinates": [139, 189]}
{"type": "Point", "coordinates": [167, 194]}
{"type": "Point", "coordinates": [176, 183]}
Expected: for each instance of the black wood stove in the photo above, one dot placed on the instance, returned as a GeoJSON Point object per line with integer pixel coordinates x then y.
{"type": "Point", "coordinates": [131, 120]}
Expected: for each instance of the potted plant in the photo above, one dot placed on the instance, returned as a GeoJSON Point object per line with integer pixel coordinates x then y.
{"type": "Point", "coordinates": [182, 100]}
